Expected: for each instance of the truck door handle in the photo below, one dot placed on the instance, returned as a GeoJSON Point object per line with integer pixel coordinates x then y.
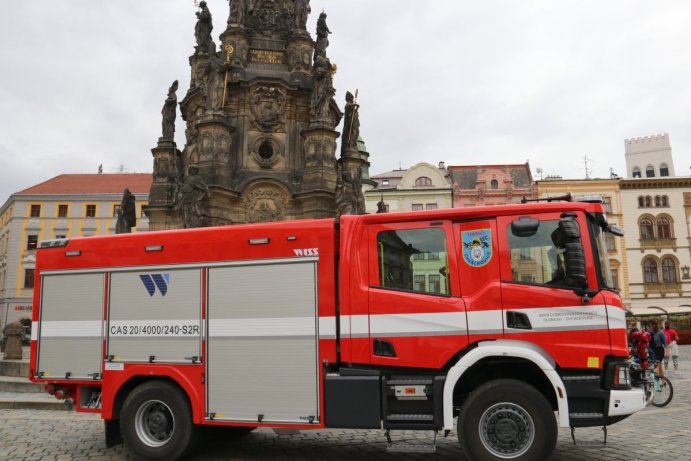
{"type": "Point", "coordinates": [384, 348]}
{"type": "Point", "coordinates": [518, 320]}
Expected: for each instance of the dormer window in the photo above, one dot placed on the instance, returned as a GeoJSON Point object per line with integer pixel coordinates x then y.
{"type": "Point", "coordinates": [423, 181]}
{"type": "Point", "coordinates": [494, 184]}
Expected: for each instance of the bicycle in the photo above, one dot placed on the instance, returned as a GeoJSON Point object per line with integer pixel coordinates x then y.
{"type": "Point", "coordinates": [662, 388]}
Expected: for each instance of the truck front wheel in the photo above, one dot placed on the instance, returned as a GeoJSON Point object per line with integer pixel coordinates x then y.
{"type": "Point", "coordinates": [507, 419]}
{"type": "Point", "coordinates": [156, 422]}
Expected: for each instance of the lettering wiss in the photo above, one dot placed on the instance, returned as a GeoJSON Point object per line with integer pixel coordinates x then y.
{"type": "Point", "coordinates": [307, 252]}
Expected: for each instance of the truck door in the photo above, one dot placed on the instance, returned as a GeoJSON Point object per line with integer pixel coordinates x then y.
{"type": "Point", "coordinates": [416, 317]}
{"type": "Point", "coordinates": [540, 303]}
{"type": "Point", "coordinates": [478, 273]}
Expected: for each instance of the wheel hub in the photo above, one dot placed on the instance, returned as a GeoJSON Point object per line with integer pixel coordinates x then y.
{"type": "Point", "coordinates": [154, 423]}
{"type": "Point", "coordinates": [506, 430]}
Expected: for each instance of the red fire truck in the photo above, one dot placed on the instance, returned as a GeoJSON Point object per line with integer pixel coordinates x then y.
{"type": "Point", "coordinates": [503, 319]}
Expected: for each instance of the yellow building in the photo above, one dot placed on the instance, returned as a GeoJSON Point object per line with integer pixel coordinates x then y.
{"type": "Point", "coordinates": [68, 205]}
{"type": "Point", "coordinates": [610, 192]}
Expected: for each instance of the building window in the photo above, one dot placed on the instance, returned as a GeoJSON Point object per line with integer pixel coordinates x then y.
{"type": "Point", "coordinates": [435, 283]}
{"type": "Point", "coordinates": [32, 242]}
{"type": "Point", "coordinates": [609, 240]}
{"type": "Point", "coordinates": [607, 204]}
{"type": "Point", "coordinates": [28, 278]}
{"type": "Point", "coordinates": [646, 226]}
{"type": "Point", "coordinates": [664, 170]}
{"type": "Point", "coordinates": [431, 206]}
{"type": "Point", "coordinates": [494, 184]}
{"type": "Point", "coordinates": [91, 211]}
{"type": "Point", "coordinates": [419, 283]}
{"type": "Point", "coordinates": [650, 271]}
{"type": "Point", "coordinates": [35, 211]}
{"type": "Point", "coordinates": [669, 270]}
{"type": "Point", "coordinates": [649, 171]}
{"type": "Point", "coordinates": [116, 208]}
{"type": "Point", "coordinates": [657, 201]}
{"type": "Point", "coordinates": [665, 201]}
{"type": "Point", "coordinates": [615, 278]}
{"type": "Point", "coordinates": [417, 207]}
{"type": "Point", "coordinates": [648, 201]}
{"type": "Point", "coordinates": [60, 236]}
{"type": "Point", "coordinates": [423, 181]}
{"type": "Point", "coordinates": [636, 172]}
{"type": "Point", "coordinates": [62, 211]}
{"type": "Point", "coordinates": [641, 202]}
{"type": "Point", "coordinates": [664, 230]}
{"type": "Point", "coordinates": [385, 182]}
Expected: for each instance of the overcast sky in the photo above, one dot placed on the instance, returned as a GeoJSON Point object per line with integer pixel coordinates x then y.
{"type": "Point", "coordinates": [465, 82]}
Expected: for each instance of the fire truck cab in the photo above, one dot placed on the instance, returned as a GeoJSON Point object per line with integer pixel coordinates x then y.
{"type": "Point", "coordinates": [501, 322]}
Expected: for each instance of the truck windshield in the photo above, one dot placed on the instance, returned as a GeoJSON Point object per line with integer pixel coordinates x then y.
{"type": "Point", "coordinates": [601, 236]}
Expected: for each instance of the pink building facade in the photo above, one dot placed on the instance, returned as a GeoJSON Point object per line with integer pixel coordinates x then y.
{"type": "Point", "coordinates": [477, 185]}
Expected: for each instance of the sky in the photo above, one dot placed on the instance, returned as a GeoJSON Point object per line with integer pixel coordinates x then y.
{"type": "Point", "coordinates": [466, 82]}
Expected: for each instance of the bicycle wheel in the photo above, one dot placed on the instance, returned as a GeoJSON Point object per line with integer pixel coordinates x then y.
{"type": "Point", "coordinates": [665, 394]}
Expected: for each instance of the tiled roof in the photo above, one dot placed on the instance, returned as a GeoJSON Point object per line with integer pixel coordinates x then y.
{"type": "Point", "coordinates": [74, 184]}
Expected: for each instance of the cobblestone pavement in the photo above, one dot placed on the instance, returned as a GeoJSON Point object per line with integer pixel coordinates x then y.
{"type": "Point", "coordinates": [655, 433]}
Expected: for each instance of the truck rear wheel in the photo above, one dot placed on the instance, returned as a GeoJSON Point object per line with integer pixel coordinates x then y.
{"type": "Point", "coordinates": [507, 419]}
{"type": "Point", "coordinates": [156, 422]}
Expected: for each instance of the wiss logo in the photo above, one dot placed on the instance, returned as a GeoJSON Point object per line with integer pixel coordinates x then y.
{"type": "Point", "coordinates": [307, 252]}
{"type": "Point", "coordinates": [156, 280]}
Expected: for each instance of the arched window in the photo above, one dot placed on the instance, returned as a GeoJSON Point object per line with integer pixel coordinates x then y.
{"type": "Point", "coordinates": [657, 201]}
{"type": "Point", "coordinates": [636, 172]}
{"type": "Point", "coordinates": [423, 181]}
{"type": "Point", "coordinates": [664, 230]}
{"type": "Point", "coordinates": [648, 201]}
{"type": "Point", "coordinates": [649, 171]}
{"type": "Point", "coordinates": [669, 270]}
{"type": "Point", "coordinates": [641, 201]}
{"type": "Point", "coordinates": [646, 226]}
{"type": "Point", "coordinates": [665, 201]}
{"type": "Point", "coordinates": [650, 271]}
{"type": "Point", "coordinates": [494, 184]}
{"type": "Point", "coordinates": [664, 170]}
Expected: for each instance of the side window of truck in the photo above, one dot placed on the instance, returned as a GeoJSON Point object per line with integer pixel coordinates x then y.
{"type": "Point", "coordinates": [536, 258]}
{"type": "Point", "coordinates": [413, 260]}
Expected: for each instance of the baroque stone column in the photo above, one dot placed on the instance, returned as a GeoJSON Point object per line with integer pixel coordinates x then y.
{"type": "Point", "coordinates": [319, 174]}
{"type": "Point", "coordinates": [164, 187]}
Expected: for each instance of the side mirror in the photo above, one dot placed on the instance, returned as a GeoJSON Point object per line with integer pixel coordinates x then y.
{"type": "Point", "coordinates": [614, 230]}
{"type": "Point", "coordinates": [574, 265]}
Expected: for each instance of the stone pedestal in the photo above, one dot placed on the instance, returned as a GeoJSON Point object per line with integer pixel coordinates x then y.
{"type": "Point", "coordinates": [13, 348]}
{"type": "Point", "coordinates": [214, 145]}
{"type": "Point", "coordinates": [166, 173]}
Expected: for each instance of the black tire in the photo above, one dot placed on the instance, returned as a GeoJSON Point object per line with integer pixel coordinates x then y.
{"type": "Point", "coordinates": [523, 416]}
{"type": "Point", "coordinates": [156, 422]}
{"type": "Point", "coordinates": [665, 394]}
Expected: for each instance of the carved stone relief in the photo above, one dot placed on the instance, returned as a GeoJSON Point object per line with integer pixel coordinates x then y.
{"type": "Point", "coordinates": [319, 151]}
{"type": "Point", "coordinates": [267, 108]}
{"type": "Point", "coordinates": [265, 204]}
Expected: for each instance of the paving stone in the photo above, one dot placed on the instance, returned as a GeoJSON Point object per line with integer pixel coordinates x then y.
{"type": "Point", "coordinates": [43, 435]}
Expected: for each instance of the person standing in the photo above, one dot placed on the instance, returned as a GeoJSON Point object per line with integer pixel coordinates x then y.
{"type": "Point", "coordinates": [672, 348]}
{"type": "Point", "coordinates": [657, 344]}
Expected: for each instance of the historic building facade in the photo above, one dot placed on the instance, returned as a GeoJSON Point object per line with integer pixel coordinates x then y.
{"type": "Point", "coordinates": [609, 191]}
{"type": "Point", "coordinates": [420, 187]}
{"type": "Point", "coordinates": [261, 119]}
{"type": "Point", "coordinates": [69, 205]}
{"type": "Point", "coordinates": [476, 185]}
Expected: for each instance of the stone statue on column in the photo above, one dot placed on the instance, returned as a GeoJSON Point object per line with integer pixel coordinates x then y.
{"type": "Point", "coordinates": [127, 214]}
{"type": "Point", "coordinates": [238, 9]}
{"type": "Point", "coordinates": [351, 124]}
{"type": "Point", "coordinates": [169, 112]}
{"type": "Point", "coordinates": [203, 29]}
{"type": "Point", "coordinates": [190, 201]}
{"type": "Point", "coordinates": [302, 12]}
{"type": "Point", "coordinates": [323, 90]}
{"type": "Point", "coordinates": [322, 38]}
{"type": "Point", "coordinates": [214, 80]}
